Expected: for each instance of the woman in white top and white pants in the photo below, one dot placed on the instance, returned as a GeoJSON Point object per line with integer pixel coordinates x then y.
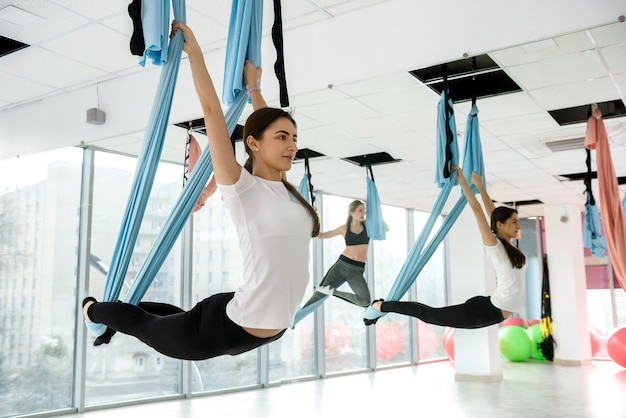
{"type": "Point", "coordinates": [508, 262]}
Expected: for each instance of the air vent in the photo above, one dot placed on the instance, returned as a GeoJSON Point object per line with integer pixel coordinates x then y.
{"type": "Point", "coordinates": [484, 79]}
{"type": "Point", "coordinates": [371, 159]}
{"type": "Point", "coordinates": [566, 144]}
{"type": "Point", "coordinates": [8, 46]}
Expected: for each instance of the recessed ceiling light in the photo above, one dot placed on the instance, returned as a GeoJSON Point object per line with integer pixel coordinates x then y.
{"type": "Point", "coordinates": [17, 16]}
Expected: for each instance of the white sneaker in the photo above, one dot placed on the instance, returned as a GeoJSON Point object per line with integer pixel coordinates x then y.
{"type": "Point", "coordinates": [326, 290]}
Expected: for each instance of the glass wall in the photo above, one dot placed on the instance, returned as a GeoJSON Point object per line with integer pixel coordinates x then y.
{"type": "Point", "coordinates": [606, 302]}
{"type": "Point", "coordinates": [217, 267]}
{"type": "Point", "coordinates": [431, 290]}
{"type": "Point", "coordinates": [39, 206]}
{"type": "Point", "coordinates": [126, 369]}
{"type": "Point", "coordinates": [345, 344]}
{"type": "Point", "coordinates": [40, 226]}
{"type": "Point", "coordinates": [393, 336]}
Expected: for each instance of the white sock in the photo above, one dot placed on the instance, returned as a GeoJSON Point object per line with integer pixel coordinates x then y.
{"type": "Point", "coordinates": [327, 290]}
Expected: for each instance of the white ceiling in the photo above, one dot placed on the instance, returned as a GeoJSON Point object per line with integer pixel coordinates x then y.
{"type": "Point", "coordinates": [347, 68]}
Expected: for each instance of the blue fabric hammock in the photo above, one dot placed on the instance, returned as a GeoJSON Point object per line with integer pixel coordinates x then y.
{"type": "Point", "coordinates": [592, 228]}
{"type": "Point", "coordinates": [248, 11]}
{"type": "Point", "coordinates": [155, 18]}
{"type": "Point", "coordinates": [592, 233]}
{"type": "Point", "coordinates": [447, 156]}
{"type": "Point", "coordinates": [303, 188]}
{"type": "Point", "coordinates": [306, 187]}
{"type": "Point", "coordinates": [374, 222]}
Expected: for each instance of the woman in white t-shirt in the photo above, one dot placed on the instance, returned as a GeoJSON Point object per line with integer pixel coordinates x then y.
{"type": "Point", "coordinates": [508, 262]}
{"type": "Point", "coordinates": [274, 224]}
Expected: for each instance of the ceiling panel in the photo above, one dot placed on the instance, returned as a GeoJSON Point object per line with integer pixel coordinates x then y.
{"type": "Point", "coordinates": [391, 112]}
{"type": "Point", "coordinates": [55, 70]}
{"type": "Point", "coordinates": [575, 94]}
{"type": "Point", "coordinates": [56, 21]}
{"type": "Point", "coordinates": [21, 89]}
{"type": "Point", "coordinates": [110, 55]}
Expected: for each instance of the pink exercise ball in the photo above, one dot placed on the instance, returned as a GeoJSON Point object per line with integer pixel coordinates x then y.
{"type": "Point", "coordinates": [595, 342]}
{"type": "Point", "coordinates": [447, 340]}
{"type": "Point", "coordinates": [514, 321]}
{"type": "Point", "coordinates": [616, 346]}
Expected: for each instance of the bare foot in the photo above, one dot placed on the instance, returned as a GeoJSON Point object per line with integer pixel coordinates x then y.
{"type": "Point", "coordinates": [85, 308]}
{"type": "Point", "coordinates": [376, 305]}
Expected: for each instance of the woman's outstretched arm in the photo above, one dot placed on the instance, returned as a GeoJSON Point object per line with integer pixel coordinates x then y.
{"type": "Point", "coordinates": [483, 226]}
{"type": "Point", "coordinates": [251, 79]}
{"type": "Point", "coordinates": [479, 182]}
{"type": "Point", "coordinates": [227, 170]}
{"type": "Point", "coordinates": [340, 230]}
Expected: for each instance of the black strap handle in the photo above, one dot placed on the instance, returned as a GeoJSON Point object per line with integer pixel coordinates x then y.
{"type": "Point", "coordinates": [279, 66]}
{"type": "Point", "coordinates": [307, 171]}
{"type": "Point", "coordinates": [449, 112]}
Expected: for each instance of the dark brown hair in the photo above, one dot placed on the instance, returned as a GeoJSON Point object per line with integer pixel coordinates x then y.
{"type": "Point", "coordinates": [351, 208]}
{"type": "Point", "coordinates": [502, 214]}
{"type": "Point", "coordinates": [256, 125]}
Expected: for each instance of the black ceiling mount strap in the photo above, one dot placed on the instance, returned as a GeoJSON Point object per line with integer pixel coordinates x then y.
{"type": "Point", "coordinates": [474, 81]}
{"type": "Point", "coordinates": [368, 169]}
{"type": "Point", "coordinates": [279, 66]}
{"type": "Point", "coordinates": [186, 165]}
{"type": "Point", "coordinates": [449, 113]}
{"type": "Point", "coordinates": [588, 178]}
{"type": "Point", "coordinates": [137, 42]}
{"type": "Point", "coordinates": [307, 170]}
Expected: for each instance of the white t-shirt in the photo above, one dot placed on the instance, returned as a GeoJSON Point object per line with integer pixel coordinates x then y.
{"type": "Point", "coordinates": [274, 231]}
{"type": "Point", "coordinates": [510, 282]}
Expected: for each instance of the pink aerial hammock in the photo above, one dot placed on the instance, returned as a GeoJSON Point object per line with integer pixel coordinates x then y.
{"type": "Point", "coordinates": [611, 210]}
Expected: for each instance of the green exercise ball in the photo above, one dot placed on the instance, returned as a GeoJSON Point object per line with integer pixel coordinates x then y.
{"type": "Point", "coordinates": [534, 331]}
{"type": "Point", "coordinates": [515, 343]}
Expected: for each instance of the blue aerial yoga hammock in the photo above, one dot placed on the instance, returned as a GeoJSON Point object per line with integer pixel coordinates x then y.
{"type": "Point", "coordinates": [447, 156]}
{"type": "Point", "coordinates": [592, 232]}
{"type": "Point", "coordinates": [155, 19]}
{"type": "Point", "coordinates": [306, 187]}
{"type": "Point", "coordinates": [374, 222]}
{"type": "Point", "coordinates": [246, 25]}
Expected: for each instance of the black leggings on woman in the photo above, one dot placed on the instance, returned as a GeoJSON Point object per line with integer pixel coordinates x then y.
{"type": "Point", "coordinates": [476, 312]}
{"type": "Point", "coordinates": [203, 332]}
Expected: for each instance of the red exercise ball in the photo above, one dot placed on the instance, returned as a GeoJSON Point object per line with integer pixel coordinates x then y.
{"type": "Point", "coordinates": [447, 340]}
{"type": "Point", "coordinates": [616, 346]}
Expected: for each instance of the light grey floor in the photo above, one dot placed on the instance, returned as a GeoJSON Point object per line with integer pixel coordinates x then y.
{"type": "Point", "coordinates": [529, 390]}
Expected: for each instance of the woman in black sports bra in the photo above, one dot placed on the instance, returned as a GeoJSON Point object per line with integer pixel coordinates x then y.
{"type": "Point", "coordinates": [351, 264]}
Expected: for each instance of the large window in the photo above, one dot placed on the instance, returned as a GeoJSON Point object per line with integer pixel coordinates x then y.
{"type": "Point", "coordinates": [345, 343]}
{"type": "Point", "coordinates": [39, 203]}
{"type": "Point", "coordinates": [606, 302]}
{"type": "Point", "coordinates": [431, 290]}
{"type": "Point", "coordinates": [218, 267]}
{"type": "Point", "coordinates": [40, 224]}
{"type": "Point", "coordinates": [393, 336]}
{"type": "Point", "coordinates": [127, 369]}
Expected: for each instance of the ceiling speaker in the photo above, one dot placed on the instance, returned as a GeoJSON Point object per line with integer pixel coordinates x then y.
{"type": "Point", "coordinates": [95, 116]}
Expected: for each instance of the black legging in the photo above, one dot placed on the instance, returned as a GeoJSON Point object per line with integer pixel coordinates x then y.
{"type": "Point", "coordinates": [203, 332]}
{"type": "Point", "coordinates": [476, 312]}
{"type": "Point", "coordinates": [345, 270]}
